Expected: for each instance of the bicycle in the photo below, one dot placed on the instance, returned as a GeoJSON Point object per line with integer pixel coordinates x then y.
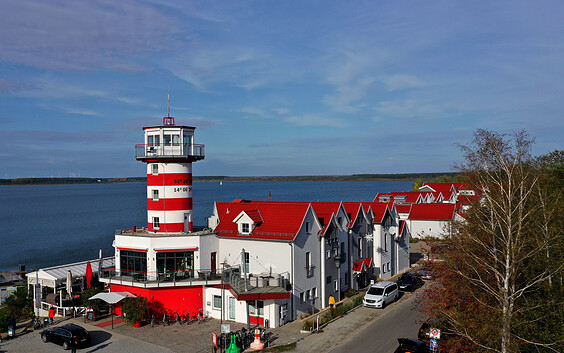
{"type": "Point", "coordinates": [200, 316]}
{"type": "Point", "coordinates": [178, 318]}
{"type": "Point", "coordinates": [165, 319]}
{"type": "Point", "coordinates": [153, 320]}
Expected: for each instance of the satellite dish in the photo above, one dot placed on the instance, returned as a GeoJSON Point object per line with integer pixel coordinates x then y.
{"type": "Point", "coordinates": [392, 230]}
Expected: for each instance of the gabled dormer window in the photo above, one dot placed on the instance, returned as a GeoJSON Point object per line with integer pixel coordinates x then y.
{"type": "Point", "coordinates": [245, 228]}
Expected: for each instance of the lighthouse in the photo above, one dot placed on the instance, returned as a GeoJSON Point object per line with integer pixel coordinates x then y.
{"type": "Point", "coordinates": [169, 152]}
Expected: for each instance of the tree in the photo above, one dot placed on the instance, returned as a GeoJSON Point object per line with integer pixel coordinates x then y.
{"type": "Point", "coordinates": [506, 252]}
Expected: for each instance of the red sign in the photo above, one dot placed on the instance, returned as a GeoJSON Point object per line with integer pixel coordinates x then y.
{"type": "Point", "coordinates": [214, 339]}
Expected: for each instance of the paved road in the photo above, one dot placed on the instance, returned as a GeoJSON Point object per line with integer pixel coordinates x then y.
{"type": "Point", "coordinates": [381, 335]}
{"type": "Point", "coordinates": [366, 329]}
{"type": "Point", "coordinates": [102, 340]}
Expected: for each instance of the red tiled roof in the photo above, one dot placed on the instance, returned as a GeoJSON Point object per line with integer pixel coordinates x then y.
{"type": "Point", "coordinates": [254, 215]}
{"type": "Point", "coordinates": [446, 187]}
{"type": "Point", "coordinates": [280, 221]}
{"type": "Point", "coordinates": [352, 208]}
{"type": "Point", "coordinates": [379, 210]}
{"type": "Point", "coordinates": [432, 211]}
{"type": "Point", "coordinates": [401, 227]}
{"type": "Point", "coordinates": [358, 265]}
{"type": "Point", "coordinates": [403, 208]}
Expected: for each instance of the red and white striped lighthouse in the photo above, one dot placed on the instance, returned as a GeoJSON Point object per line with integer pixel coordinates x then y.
{"type": "Point", "coordinates": [169, 151]}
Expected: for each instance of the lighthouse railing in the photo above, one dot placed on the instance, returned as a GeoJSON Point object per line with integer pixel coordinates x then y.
{"type": "Point", "coordinates": [172, 150]}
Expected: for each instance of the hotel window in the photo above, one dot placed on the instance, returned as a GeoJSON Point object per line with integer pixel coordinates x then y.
{"type": "Point", "coordinates": [359, 247]}
{"type": "Point", "coordinates": [301, 297]}
{"type": "Point", "coordinates": [175, 264]}
{"type": "Point", "coordinates": [155, 169]}
{"type": "Point", "coordinates": [133, 262]}
{"type": "Point", "coordinates": [247, 262]}
{"type": "Point", "coordinates": [155, 195]}
{"type": "Point", "coordinates": [308, 268]}
{"type": "Point", "coordinates": [336, 286]}
{"type": "Point", "coordinates": [256, 308]}
{"type": "Point", "coordinates": [307, 295]}
{"type": "Point", "coordinates": [156, 224]}
{"type": "Point", "coordinates": [328, 280]}
{"type": "Point", "coordinates": [328, 254]}
{"type": "Point", "coordinates": [217, 302]}
{"type": "Point", "coordinates": [314, 292]}
{"type": "Point", "coordinates": [307, 227]}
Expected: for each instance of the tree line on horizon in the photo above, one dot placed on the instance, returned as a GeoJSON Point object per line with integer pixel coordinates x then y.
{"type": "Point", "coordinates": [353, 177]}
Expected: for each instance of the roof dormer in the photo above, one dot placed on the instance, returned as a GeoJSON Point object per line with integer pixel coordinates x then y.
{"type": "Point", "coordinates": [247, 221]}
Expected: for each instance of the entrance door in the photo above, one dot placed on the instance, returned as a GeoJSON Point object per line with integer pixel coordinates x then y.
{"type": "Point", "coordinates": [187, 223]}
{"type": "Point", "coordinates": [212, 261]}
{"type": "Point", "coordinates": [232, 303]}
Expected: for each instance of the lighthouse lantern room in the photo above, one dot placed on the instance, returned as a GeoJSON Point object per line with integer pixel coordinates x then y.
{"type": "Point", "coordinates": [169, 151]}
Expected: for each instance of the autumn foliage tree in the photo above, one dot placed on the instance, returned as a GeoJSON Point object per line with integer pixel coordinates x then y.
{"type": "Point", "coordinates": [499, 278]}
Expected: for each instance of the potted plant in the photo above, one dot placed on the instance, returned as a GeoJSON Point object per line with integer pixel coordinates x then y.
{"type": "Point", "coordinates": [135, 309]}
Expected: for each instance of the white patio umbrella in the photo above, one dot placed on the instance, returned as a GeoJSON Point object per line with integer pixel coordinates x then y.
{"type": "Point", "coordinates": [69, 282]}
{"type": "Point", "coordinates": [112, 298]}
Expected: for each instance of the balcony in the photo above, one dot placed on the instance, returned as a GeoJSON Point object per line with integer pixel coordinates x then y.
{"type": "Point", "coordinates": [186, 151]}
{"type": "Point", "coordinates": [230, 276]}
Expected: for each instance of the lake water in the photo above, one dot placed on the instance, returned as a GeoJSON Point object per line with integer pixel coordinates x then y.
{"type": "Point", "coordinates": [47, 225]}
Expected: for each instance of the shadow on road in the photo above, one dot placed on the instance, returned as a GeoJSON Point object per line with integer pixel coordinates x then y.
{"type": "Point", "coordinates": [99, 337]}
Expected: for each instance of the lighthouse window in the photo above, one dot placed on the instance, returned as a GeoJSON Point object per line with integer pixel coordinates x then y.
{"type": "Point", "coordinates": [156, 223]}
{"type": "Point", "coordinates": [153, 140]}
{"type": "Point", "coordinates": [155, 195]}
{"type": "Point", "coordinates": [155, 169]}
{"type": "Point", "coordinates": [176, 140]}
{"type": "Point", "coordinates": [186, 139]}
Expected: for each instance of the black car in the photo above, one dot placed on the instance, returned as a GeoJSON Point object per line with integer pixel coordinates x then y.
{"type": "Point", "coordinates": [409, 345]}
{"type": "Point", "coordinates": [66, 335]}
{"type": "Point", "coordinates": [409, 282]}
{"type": "Point", "coordinates": [441, 326]}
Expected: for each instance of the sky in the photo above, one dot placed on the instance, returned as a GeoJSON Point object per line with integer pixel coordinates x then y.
{"type": "Point", "coordinates": [275, 87]}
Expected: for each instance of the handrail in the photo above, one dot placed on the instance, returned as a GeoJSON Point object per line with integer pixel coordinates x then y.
{"type": "Point", "coordinates": [170, 150]}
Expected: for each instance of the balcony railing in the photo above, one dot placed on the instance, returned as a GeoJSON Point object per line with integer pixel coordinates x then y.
{"type": "Point", "coordinates": [170, 150]}
{"type": "Point", "coordinates": [231, 276]}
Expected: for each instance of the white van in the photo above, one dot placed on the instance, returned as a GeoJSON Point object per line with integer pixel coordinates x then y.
{"type": "Point", "coordinates": [381, 294]}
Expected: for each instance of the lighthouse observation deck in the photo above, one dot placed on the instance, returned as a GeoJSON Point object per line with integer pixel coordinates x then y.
{"type": "Point", "coordinates": [182, 151]}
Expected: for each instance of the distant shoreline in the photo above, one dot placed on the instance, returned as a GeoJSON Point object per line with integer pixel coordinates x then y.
{"type": "Point", "coordinates": [352, 177]}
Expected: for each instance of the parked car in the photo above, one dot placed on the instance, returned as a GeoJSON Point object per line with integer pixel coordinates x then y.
{"type": "Point", "coordinates": [425, 274]}
{"type": "Point", "coordinates": [409, 345]}
{"type": "Point", "coordinates": [434, 323]}
{"type": "Point", "coordinates": [381, 294]}
{"type": "Point", "coordinates": [66, 335]}
{"type": "Point", "coordinates": [409, 282]}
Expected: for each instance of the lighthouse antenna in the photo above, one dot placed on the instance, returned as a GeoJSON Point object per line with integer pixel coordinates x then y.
{"type": "Point", "coordinates": [168, 120]}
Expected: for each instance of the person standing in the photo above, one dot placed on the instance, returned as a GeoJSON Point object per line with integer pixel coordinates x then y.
{"type": "Point", "coordinates": [51, 314]}
{"type": "Point", "coordinates": [74, 345]}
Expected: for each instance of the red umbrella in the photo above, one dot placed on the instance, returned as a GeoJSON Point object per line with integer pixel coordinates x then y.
{"type": "Point", "coordinates": [88, 275]}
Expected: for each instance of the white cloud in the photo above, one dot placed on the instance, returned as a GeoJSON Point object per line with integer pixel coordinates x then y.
{"type": "Point", "coordinates": [81, 35]}
{"type": "Point", "coordinates": [314, 120]}
{"type": "Point", "coordinates": [409, 108]}
{"type": "Point", "coordinates": [399, 82]}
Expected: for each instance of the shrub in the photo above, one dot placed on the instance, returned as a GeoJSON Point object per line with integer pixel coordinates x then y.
{"type": "Point", "coordinates": [95, 304]}
{"type": "Point", "coordinates": [135, 309]}
{"type": "Point", "coordinates": [350, 293]}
